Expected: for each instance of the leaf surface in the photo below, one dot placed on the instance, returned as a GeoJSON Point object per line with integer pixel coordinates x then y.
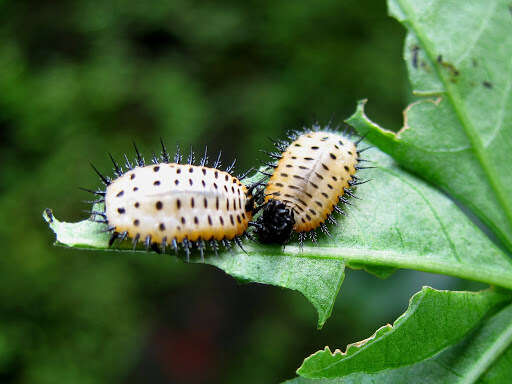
{"type": "Point", "coordinates": [443, 337]}
{"type": "Point", "coordinates": [458, 135]}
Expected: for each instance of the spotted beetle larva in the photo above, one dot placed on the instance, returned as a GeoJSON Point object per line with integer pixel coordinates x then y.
{"type": "Point", "coordinates": [312, 175]}
{"type": "Point", "coordinates": [168, 203]}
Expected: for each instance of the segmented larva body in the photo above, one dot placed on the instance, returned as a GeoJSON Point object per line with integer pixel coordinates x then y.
{"type": "Point", "coordinates": [312, 175]}
{"type": "Point", "coordinates": [169, 201]}
{"type": "Point", "coordinates": [178, 205]}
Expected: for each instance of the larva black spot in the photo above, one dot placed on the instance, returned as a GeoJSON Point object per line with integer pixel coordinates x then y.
{"type": "Point", "coordinates": [210, 220]}
{"type": "Point", "coordinates": [190, 170]}
{"type": "Point", "coordinates": [135, 189]}
{"type": "Point", "coordinates": [315, 148]}
{"type": "Point", "coordinates": [156, 168]}
{"type": "Point", "coordinates": [319, 203]}
{"type": "Point", "coordinates": [183, 220]}
{"type": "Point", "coordinates": [178, 170]}
{"type": "Point", "coordinates": [313, 212]}
{"type": "Point", "coordinates": [192, 202]}
{"type": "Point", "coordinates": [121, 210]}
{"type": "Point", "coordinates": [221, 220]}
{"type": "Point", "coordinates": [333, 156]}
{"type": "Point", "coordinates": [346, 168]}
{"type": "Point", "coordinates": [159, 205]}
{"type": "Point", "coordinates": [178, 204]}
{"type": "Point", "coordinates": [216, 174]}
{"type": "Point", "coordinates": [203, 183]}
{"type": "Point", "coordinates": [217, 203]}
{"type": "Point", "coordinates": [205, 202]}
{"type": "Point", "coordinates": [215, 186]}
{"type": "Point", "coordinates": [232, 219]}
{"type": "Point", "coordinates": [196, 220]}
{"type": "Point", "coordinates": [120, 194]}
{"type": "Point", "coordinates": [308, 158]}
{"type": "Point", "coordinates": [303, 167]}
{"type": "Point", "coordinates": [284, 174]}
{"type": "Point", "coordinates": [226, 177]}
{"type": "Point", "coordinates": [137, 204]}
{"type": "Point", "coordinates": [298, 177]}
{"type": "Point", "coordinates": [176, 182]}
{"type": "Point", "coordinates": [132, 176]}
{"type": "Point", "coordinates": [157, 182]}
{"type": "Point", "coordinates": [136, 222]}
{"type": "Point", "coordinates": [204, 171]}
{"type": "Point", "coordinates": [161, 226]}
{"type": "Point", "coordinates": [319, 176]}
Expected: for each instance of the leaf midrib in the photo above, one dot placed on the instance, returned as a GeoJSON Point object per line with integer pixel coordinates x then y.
{"type": "Point", "coordinates": [491, 355]}
{"type": "Point", "coordinates": [471, 133]}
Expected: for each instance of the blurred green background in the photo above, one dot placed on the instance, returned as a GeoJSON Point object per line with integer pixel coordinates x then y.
{"type": "Point", "coordinates": [80, 78]}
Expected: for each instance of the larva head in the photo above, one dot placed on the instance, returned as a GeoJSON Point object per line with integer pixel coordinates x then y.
{"type": "Point", "coordinates": [275, 224]}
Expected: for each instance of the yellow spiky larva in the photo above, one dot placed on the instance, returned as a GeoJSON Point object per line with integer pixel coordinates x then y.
{"type": "Point", "coordinates": [176, 204]}
{"type": "Point", "coordinates": [310, 178]}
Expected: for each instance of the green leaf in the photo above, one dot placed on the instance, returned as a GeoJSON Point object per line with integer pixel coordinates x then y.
{"type": "Point", "coordinates": [457, 135]}
{"type": "Point", "coordinates": [399, 222]}
{"type": "Point", "coordinates": [443, 337]}
{"type": "Point", "coordinates": [316, 278]}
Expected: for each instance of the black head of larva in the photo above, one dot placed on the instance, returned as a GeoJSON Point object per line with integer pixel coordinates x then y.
{"type": "Point", "coordinates": [275, 224]}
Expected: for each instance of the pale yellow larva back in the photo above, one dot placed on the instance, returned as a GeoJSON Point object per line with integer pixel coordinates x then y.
{"type": "Point", "coordinates": [311, 176]}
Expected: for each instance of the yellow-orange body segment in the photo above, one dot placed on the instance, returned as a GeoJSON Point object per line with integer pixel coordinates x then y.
{"type": "Point", "coordinates": [311, 176]}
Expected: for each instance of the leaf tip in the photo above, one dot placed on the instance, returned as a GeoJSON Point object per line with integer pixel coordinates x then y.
{"type": "Point", "coordinates": [48, 215]}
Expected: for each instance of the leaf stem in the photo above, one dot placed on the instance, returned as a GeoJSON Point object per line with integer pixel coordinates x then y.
{"type": "Point", "coordinates": [491, 275]}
